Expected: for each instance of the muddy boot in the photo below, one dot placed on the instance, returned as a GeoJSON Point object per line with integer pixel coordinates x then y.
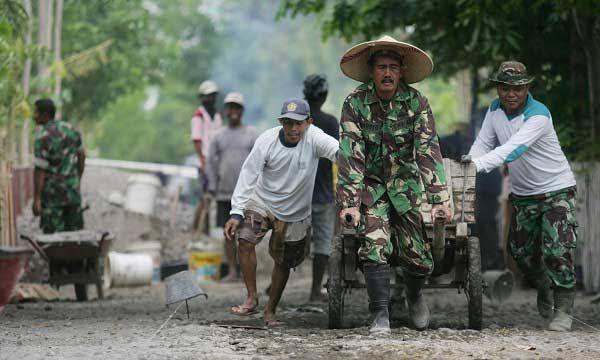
{"type": "Point", "coordinates": [377, 278]}
{"type": "Point", "coordinates": [544, 296]}
{"type": "Point", "coordinates": [417, 307]}
{"type": "Point", "coordinates": [563, 305]}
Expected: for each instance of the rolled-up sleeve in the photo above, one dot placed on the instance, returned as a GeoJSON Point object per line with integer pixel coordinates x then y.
{"type": "Point", "coordinates": [429, 156]}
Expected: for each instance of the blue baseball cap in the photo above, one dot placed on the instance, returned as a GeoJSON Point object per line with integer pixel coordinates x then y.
{"type": "Point", "coordinates": [295, 109]}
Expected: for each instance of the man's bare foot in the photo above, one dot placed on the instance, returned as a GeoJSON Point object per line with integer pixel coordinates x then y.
{"type": "Point", "coordinates": [271, 320]}
{"type": "Point", "coordinates": [249, 307]}
{"type": "Point", "coordinates": [231, 278]}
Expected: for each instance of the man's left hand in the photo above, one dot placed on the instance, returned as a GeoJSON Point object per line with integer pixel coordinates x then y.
{"type": "Point", "coordinates": [441, 208]}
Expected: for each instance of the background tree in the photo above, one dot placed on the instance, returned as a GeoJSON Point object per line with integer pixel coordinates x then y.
{"type": "Point", "coordinates": [558, 40]}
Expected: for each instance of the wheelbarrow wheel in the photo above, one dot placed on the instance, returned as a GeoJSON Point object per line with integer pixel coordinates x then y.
{"type": "Point", "coordinates": [335, 288]}
{"type": "Point", "coordinates": [474, 284]}
{"type": "Point", "coordinates": [81, 292]}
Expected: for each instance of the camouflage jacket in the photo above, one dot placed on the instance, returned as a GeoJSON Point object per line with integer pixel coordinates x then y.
{"type": "Point", "coordinates": [391, 150]}
{"type": "Point", "coordinates": [56, 150]}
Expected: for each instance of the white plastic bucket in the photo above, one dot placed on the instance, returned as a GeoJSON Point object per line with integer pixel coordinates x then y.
{"type": "Point", "coordinates": [151, 248]}
{"type": "Point", "coordinates": [129, 269]}
{"type": "Point", "coordinates": [141, 193]}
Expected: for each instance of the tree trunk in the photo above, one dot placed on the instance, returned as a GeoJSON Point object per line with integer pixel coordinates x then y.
{"type": "Point", "coordinates": [475, 120]}
{"type": "Point", "coordinates": [45, 34]}
{"type": "Point", "coordinates": [25, 130]}
{"type": "Point", "coordinates": [585, 28]}
{"type": "Point", "coordinates": [57, 53]}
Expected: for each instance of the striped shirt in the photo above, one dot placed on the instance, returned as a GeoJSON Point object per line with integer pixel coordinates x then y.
{"type": "Point", "coordinates": [204, 128]}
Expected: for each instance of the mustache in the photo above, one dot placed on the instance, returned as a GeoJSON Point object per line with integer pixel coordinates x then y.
{"type": "Point", "coordinates": [387, 80]}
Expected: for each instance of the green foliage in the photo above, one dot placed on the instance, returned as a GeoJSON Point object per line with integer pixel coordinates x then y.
{"type": "Point", "coordinates": [558, 40]}
{"type": "Point", "coordinates": [185, 42]}
{"type": "Point", "coordinates": [13, 14]}
{"type": "Point", "coordinates": [13, 53]}
{"type": "Point", "coordinates": [267, 60]}
{"type": "Point", "coordinates": [442, 98]}
{"type": "Point", "coordinates": [127, 131]}
{"type": "Point", "coordinates": [132, 61]}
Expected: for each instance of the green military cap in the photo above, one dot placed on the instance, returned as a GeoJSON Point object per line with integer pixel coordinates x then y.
{"type": "Point", "coordinates": [512, 73]}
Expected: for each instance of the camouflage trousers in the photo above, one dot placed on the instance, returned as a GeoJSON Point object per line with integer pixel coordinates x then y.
{"type": "Point", "coordinates": [55, 219]}
{"type": "Point", "coordinates": [396, 239]}
{"type": "Point", "coordinates": [543, 235]}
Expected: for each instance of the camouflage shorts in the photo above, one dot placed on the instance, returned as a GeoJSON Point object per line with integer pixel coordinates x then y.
{"type": "Point", "coordinates": [55, 219]}
{"type": "Point", "coordinates": [289, 243]}
{"type": "Point", "coordinates": [543, 235]}
{"type": "Point", "coordinates": [396, 239]}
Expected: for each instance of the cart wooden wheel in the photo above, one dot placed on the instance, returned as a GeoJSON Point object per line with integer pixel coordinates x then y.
{"type": "Point", "coordinates": [474, 285]}
{"type": "Point", "coordinates": [335, 285]}
{"type": "Point", "coordinates": [81, 292]}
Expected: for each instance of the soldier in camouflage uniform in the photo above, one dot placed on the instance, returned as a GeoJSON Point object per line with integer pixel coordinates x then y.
{"type": "Point", "coordinates": [543, 230]}
{"type": "Point", "coordinates": [389, 154]}
{"type": "Point", "coordinates": [59, 163]}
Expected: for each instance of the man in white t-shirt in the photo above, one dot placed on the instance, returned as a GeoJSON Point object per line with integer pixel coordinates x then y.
{"type": "Point", "coordinates": [274, 192]}
{"type": "Point", "coordinates": [543, 232]}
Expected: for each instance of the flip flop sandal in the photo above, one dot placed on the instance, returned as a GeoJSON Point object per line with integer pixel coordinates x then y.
{"type": "Point", "coordinates": [244, 311]}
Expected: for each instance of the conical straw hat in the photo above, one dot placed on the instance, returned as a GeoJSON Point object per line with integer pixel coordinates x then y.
{"type": "Point", "coordinates": [417, 64]}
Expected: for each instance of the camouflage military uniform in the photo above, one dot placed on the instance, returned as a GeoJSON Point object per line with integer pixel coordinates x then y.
{"type": "Point", "coordinates": [543, 235]}
{"type": "Point", "coordinates": [56, 151]}
{"type": "Point", "coordinates": [389, 154]}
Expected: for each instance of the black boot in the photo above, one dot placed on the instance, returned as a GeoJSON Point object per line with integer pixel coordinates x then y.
{"type": "Point", "coordinates": [398, 299]}
{"type": "Point", "coordinates": [417, 307]}
{"type": "Point", "coordinates": [377, 278]}
{"type": "Point", "coordinates": [545, 301]}
{"type": "Point", "coordinates": [563, 305]}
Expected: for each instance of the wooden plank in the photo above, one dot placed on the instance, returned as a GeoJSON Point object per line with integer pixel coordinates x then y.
{"type": "Point", "coordinates": [588, 213]}
{"type": "Point", "coordinates": [425, 206]}
{"type": "Point", "coordinates": [469, 196]}
{"type": "Point", "coordinates": [457, 184]}
{"type": "Point", "coordinates": [469, 206]}
{"type": "Point", "coordinates": [454, 168]}
{"type": "Point", "coordinates": [469, 217]}
{"type": "Point", "coordinates": [426, 217]}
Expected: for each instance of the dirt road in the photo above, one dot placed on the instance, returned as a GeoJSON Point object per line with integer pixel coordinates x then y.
{"type": "Point", "coordinates": [125, 326]}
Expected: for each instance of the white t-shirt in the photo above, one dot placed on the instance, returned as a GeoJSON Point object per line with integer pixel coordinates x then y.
{"type": "Point", "coordinates": [280, 178]}
{"type": "Point", "coordinates": [528, 145]}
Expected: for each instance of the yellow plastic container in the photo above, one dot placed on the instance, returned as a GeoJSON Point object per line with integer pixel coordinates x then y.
{"type": "Point", "coordinates": [204, 265]}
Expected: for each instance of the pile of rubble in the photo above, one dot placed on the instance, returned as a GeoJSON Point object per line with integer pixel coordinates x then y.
{"type": "Point", "coordinates": [100, 188]}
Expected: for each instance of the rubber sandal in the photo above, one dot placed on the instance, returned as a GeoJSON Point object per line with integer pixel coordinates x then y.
{"type": "Point", "coordinates": [244, 311]}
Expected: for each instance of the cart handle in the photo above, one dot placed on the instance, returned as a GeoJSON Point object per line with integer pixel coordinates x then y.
{"type": "Point", "coordinates": [36, 246]}
{"type": "Point", "coordinates": [439, 238]}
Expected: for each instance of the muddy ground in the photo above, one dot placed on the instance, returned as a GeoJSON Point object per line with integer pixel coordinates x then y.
{"type": "Point", "coordinates": [126, 325]}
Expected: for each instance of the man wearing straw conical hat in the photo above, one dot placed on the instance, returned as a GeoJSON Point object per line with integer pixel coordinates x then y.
{"type": "Point", "coordinates": [543, 229]}
{"type": "Point", "coordinates": [389, 154]}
